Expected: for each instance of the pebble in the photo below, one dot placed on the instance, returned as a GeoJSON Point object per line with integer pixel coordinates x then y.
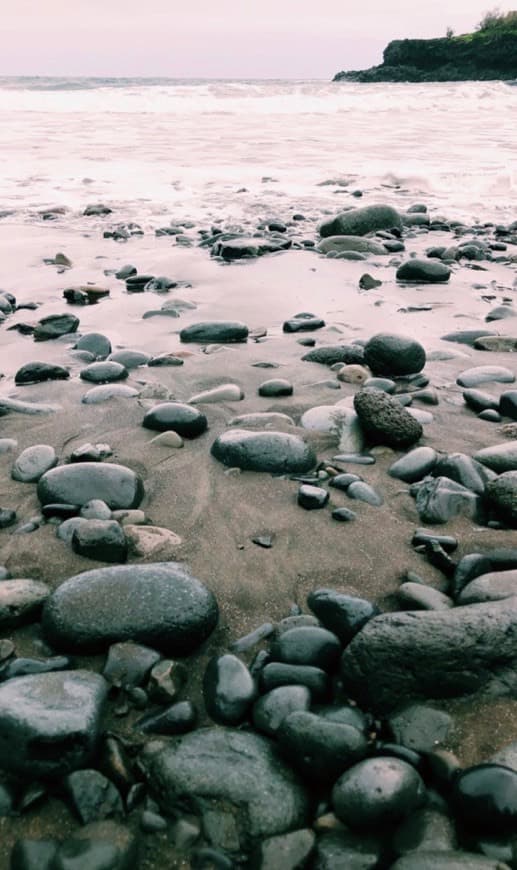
{"type": "Point", "coordinates": [54, 326]}
{"type": "Point", "coordinates": [96, 343]}
{"type": "Point", "coordinates": [393, 354]}
{"type": "Point", "coordinates": [485, 798]}
{"type": "Point", "coordinates": [275, 387]}
{"type": "Point", "coordinates": [186, 421]}
{"type": "Point", "coordinates": [270, 710]}
{"type": "Point", "coordinates": [415, 465]}
{"type": "Point", "coordinates": [312, 497]}
{"type": "Point", "coordinates": [502, 497]}
{"type": "Point", "coordinates": [508, 404]}
{"type": "Point", "coordinates": [417, 596]}
{"type": "Point", "coordinates": [318, 748]}
{"type": "Point", "coordinates": [307, 645]}
{"type": "Point", "coordinates": [179, 718]}
{"type": "Point", "coordinates": [143, 541]}
{"type": "Point", "coordinates": [377, 792]}
{"type": "Point", "coordinates": [440, 499]}
{"type": "Point", "coordinates": [81, 482]}
{"type": "Point", "coordinates": [343, 515]}
{"type": "Point", "coordinates": [499, 457]}
{"type": "Point", "coordinates": [215, 331]}
{"type": "Point", "coordinates": [384, 421]}
{"type": "Point", "coordinates": [107, 392]}
{"type": "Point", "coordinates": [36, 372]}
{"type": "Point", "coordinates": [33, 462]}
{"type": "Point", "coordinates": [222, 393]}
{"type": "Point", "coordinates": [423, 271]}
{"type": "Point", "coordinates": [103, 540]}
{"type": "Point", "coordinates": [103, 372]}
{"type": "Point", "coordinates": [21, 601]}
{"type": "Point", "coordinates": [228, 690]}
{"type": "Point", "coordinates": [91, 796]}
{"type": "Point", "coordinates": [364, 492]}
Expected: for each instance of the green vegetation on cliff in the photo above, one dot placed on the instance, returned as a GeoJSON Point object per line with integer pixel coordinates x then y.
{"type": "Point", "coordinates": [488, 53]}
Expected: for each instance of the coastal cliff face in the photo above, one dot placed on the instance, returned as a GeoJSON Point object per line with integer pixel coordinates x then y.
{"type": "Point", "coordinates": [481, 56]}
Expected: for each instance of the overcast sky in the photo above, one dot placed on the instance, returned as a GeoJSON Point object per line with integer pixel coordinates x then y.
{"type": "Point", "coordinates": [217, 38]}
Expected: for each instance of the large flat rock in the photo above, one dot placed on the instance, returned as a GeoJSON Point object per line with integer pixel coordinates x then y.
{"type": "Point", "coordinates": [234, 779]}
{"type": "Point", "coordinates": [276, 452]}
{"type": "Point", "coordinates": [159, 604]}
{"type": "Point", "coordinates": [398, 657]}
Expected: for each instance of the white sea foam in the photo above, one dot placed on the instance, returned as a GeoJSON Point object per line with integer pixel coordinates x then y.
{"type": "Point", "coordinates": [157, 146]}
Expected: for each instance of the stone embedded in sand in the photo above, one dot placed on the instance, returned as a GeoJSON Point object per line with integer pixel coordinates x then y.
{"type": "Point", "coordinates": [178, 417]}
{"type": "Point", "coordinates": [54, 326]}
{"type": "Point", "coordinates": [240, 772]}
{"type": "Point", "coordinates": [103, 372]}
{"type": "Point", "coordinates": [452, 652]}
{"type": "Point", "coordinates": [362, 491]}
{"type": "Point", "coordinates": [489, 587]}
{"type": "Point", "coordinates": [485, 375]}
{"type": "Point", "coordinates": [479, 401]}
{"type": "Point", "coordinates": [246, 248]}
{"type": "Point", "coordinates": [103, 540]}
{"type": "Point", "coordinates": [390, 354]}
{"type": "Point", "coordinates": [262, 420]}
{"type": "Point", "coordinates": [423, 271]}
{"type": "Point", "coordinates": [33, 462]}
{"type": "Point", "coordinates": [496, 343]}
{"type": "Point", "coordinates": [350, 244]}
{"type": "Point", "coordinates": [312, 497]}
{"type": "Point", "coordinates": [360, 221]}
{"type": "Point", "coordinates": [107, 392]}
{"type": "Point", "coordinates": [384, 420]}
{"type": "Point", "coordinates": [467, 336]}
{"type": "Point", "coordinates": [508, 404]}
{"type": "Point", "coordinates": [130, 359]}
{"type": "Point", "coordinates": [53, 719]}
{"type": "Point", "coordinates": [97, 210]}
{"type": "Point", "coordinates": [502, 497]}
{"type": "Point", "coordinates": [80, 482]}
{"type": "Point", "coordinates": [215, 331]}
{"type": "Point", "coordinates": [275, 387]}
{"type": "Point", "coordinates": [500, 457]}
{"type": "Point", "coordinates": [21, 601]}
{"type": "Point", "coordinates": [222, 393]}
{"type": "Point", "coordinates": [96, 343]}
{"type": "Point", "coordinates": [157, 604]}
{"type": "Point", "coordinates": [465, 470]}
{"type": "Point", "coordinates": [340, 353]}
{"type": "Point", "coordinates": [303, 324]}
{"type": "Point", "coordinates": [35, 372]}
{"type": "Point", "coordinates": [439, 499]}
{"type": "Point", "coordinates": [276, 452]}
{"type": "Point", "coordinates": [342, 614]}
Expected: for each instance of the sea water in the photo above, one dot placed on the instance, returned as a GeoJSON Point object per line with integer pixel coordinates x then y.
{"type": "Point", "coordinates": [234, 149]}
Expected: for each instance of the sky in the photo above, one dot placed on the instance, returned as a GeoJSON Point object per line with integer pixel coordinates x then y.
{"type": "Point", "coordinates": [217, 38]}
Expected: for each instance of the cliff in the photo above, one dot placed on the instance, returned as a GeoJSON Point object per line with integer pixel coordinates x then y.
{"type": "Point", "coordinates": [489, 53]}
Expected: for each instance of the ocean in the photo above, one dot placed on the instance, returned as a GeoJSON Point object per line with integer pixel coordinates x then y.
{"type": "Point", "coordinates": [232, 149]}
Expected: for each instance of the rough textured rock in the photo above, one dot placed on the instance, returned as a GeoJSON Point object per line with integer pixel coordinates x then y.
{"type": "Point", "coordinates": [360, 221]}
{"type": "Point", "coordinates": [276, 452]}
{"type": "Point", "coordinates": [21, 601]}
{"type": "Point", "coordinates": [81, 482]}
{"type": "Point", "coordinates": [53, 719]}
{"type": "Point", "coordinates": [55, 325]}
{"type": "Point", "coordinates": [330, 354]}
{"type": "Point", "coordinates": [384, 420]}
{"type": "Point", "coordinates": [160, 604]}
{"type": "Point", "coordinates": [502, 497]}
{"type": "Point", "coordinates": [35, 372]}
{"type": "Point", "coordinates": [423, 271]}
{"type": "Point", "coordinates": [234, 779]}
{"type": "Point", "coordinates": [391, 354]}
{"type": "Point", "coordinates": [215, 331]}
{"type": "Point", "coordinates": [452, 653]}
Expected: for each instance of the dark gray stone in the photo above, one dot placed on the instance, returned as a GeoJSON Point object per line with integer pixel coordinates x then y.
{"type": "Point", "coordinates": [278, 674]}
{"type": "Point", "coordinates": [312, 497]}
{"type": "Point", "coordinates": [439, 499]}
{"type": "Point", "coordinates": [423, 271]}
{"type": "Point", "coordinates": [318, 748]}
{"type": "Point", "coordinates": [158, 604]}
{"type": "Point", "coordinates": [228, 690]}
{"type": "Point", "coordinates": [307, 645]}
{"type": "Point", "coordinates": [215, 331]}
{"type": "Point", "coordinates": [391, 354]}
{"type": "Point", "coordinates": [104, 372]}
{"type": "Point", "coordinates": [499, 457]}
{"type": "Point", "coordinates": [96, 343]}
{"type": "Point", "coordinates": [129, 664]}
{"type": "Point", "coordinates": [454, 652]}
{"type": "Point", "coordinates": [502, 497]}
{"type": "Point", "coordinates": [377, 792]}
{"type": "Point", "coordinates": [81, 482]}
{"type": "Point", "coordinates": [179, 718]}
{"type": "Point", "coordinates": [30, 854]}
{"type": "Point", "coordinates": [360, 221]}
{"type": "Point", "coordinates": [270, 710]}
{"type": "Point", "coordinates": [53, 719]}
{"type": "Point", "coordinates": [103, 540]}
{"type": "Point", "coordinates": [508, 404]}
{"type": "Point", "coordinates": [420, 727]}
{"type": "Point", "coordinates": [187, 421]}
{"type": "Point", "coordinates": [248, 248]}
{"type": "Point", "coordinates": [290, 851]}
{"type": "Point", "coordinates": [101, 845]}
{"type": "Point", "coordinates": [275, 387]}
{"type": "Point", "coordinates": [130, 359]}
{"type": "Point", "coordinates": [362, 491]}
{"type": "Point", "coordinates": [303, 324]}
{"type": "Point", "coordinates": [479, 401]}
{"type": "Point", "coordinates": [344, 615]}
{"type": "Point", "coordinates": [345, 850]}
{"type": "Point", "coordinates": [329, 355]}
{"type": "Point", "coordinates": [485, 798]}
{"type": "Point", "coordinates": [35, 372]}
{"type": "Point", "coordinates": [384, 420]}
{"type": "Point", "coordinates": [432, 859]}
{"type": "Point", "coordinates": [215, 768]}
{"type": "Point", "coordinates": [414, 465]}
{"type": "Point", "coordinates": [465, 470]}
{"type": "Point", "coordinates": [54, 326]}
{"type": "Point", "coordinates": [92, 796]}
{"type": "Point", "coordinates": [276, 452]}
